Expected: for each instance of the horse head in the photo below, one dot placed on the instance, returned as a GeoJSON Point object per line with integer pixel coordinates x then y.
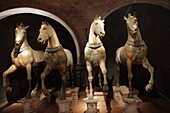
{"type": "Point", "coordinates": [20, 36]}
{"type": "Point", "coordinates": [97, 26]}
{"type": "Point", "coordinates": [45, 32]}
{"type": "Point", "coordinates": [20, 33]}
{"type": "Point", "coordinates": [132, 24]}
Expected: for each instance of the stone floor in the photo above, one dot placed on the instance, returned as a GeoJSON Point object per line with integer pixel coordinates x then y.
{"type": "Point", "coordinates": [149, 105]}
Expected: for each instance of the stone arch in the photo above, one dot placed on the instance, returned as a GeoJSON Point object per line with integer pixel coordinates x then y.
{"type": "Point", "coordinates": [14, 11]}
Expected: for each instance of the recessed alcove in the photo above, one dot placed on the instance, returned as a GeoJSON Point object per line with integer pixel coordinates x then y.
{"type": "Point", "coordinates": [154, 26]}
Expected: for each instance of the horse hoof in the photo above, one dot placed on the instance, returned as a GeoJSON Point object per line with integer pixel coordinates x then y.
{"type": "Point", "coordinates": [148, 88]}
{"type": "Point", "coordinates": [33, 93]}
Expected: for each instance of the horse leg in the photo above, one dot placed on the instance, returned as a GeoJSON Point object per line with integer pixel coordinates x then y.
{"type": "Point", "coordinates": [33, 92]}
{"type": "Point", "coordinates": [147, 65]}
{"type": "Point", "coordinates": [104, 71]}
{"type": "Point", "coordinates": [130, 75]}
{"type": "Point", "coordinates": [90, 78]}
{"type": "Point", "coordinates": [100, 84]}
{"type": "Point", "coordinates": [62, 71]}
{"type": "Point", "coordinates": [28, 68]}
{"type": "Point", "coordinates": [118, 73]}
{"type": "Point", "coordinates": [11, 69]}
{"type": "Point", "coordinates": [46, 71]}
{"type": "Point", "coordinates": [72, 76]}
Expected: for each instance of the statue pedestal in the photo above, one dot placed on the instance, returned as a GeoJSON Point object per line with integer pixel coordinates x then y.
{"type": "Point", "coordinates": [129, 104]}
{"type": "Point", "coordinates": [101, 99]}
{"type": "Point", "coordinates": [74, 94]}
{"type": "Point", "coordinates": [132, 104]}
{"type": "Point", "coordinates": [31, 105]}
{"type": "Point", "coordinates": [64, 105]}
{"type": "Point", "coordinates": [91, 105]}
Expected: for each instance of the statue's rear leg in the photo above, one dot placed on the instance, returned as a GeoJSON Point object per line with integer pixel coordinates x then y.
{"type": "Point", "coordinates": [62, 71]}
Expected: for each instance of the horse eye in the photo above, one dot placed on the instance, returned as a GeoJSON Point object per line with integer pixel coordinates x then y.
{"type": "Point", "coordinates": [96, 23]}
{"type": "Point", "coordinates": [44, 28]}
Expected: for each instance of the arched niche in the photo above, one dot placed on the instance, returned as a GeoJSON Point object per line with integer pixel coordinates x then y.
{"type": "Point", "coordinates": [154, 26]}
{"type": "Point", "coordinates": [34, 11]}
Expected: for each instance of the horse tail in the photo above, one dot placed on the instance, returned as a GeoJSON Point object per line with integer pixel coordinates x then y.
{"type": "Point", "coordinates": [118, 55]}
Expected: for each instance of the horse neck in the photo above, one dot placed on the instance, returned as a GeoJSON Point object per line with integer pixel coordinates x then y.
{"type": "Point", "coordinates": [53, 41]}
{"type": "Point", "coordinates": [25, 43]}
{"type": "Point", "coordinates": [137, 38]}
{"type": "Point", "coordinates": [93, 38]}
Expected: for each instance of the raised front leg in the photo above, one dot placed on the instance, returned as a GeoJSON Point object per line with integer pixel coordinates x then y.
{"type": "Point", "coordinates": [11, 69]}
{"type": "Point", "coordinates": [90, 78]}
{"type": "Point", "coordinates": [147, 65]}
{"type": "Point", "coordinates": [28, 68]}
{"type": "Point", "coordinates": [130, 75]}
{"type": "Point", "coordinates": [46, 71]}
{"type": "Point", "coordinates": [104, 71]}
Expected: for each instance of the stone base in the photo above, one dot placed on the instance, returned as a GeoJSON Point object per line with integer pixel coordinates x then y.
{"type": "Point", "coordinates": [101, 99]}
{"type": "Point", "coordinates": [31, 105]}
{"type": "Point", "coordinates": [132, 104]}
{"type": "Point", "coordinates": [74, 94]}
{"type": "Point", "coordinates": [91, 105]}
{"type": "Point", "coordinates": [129, 104]}
{"type": "Point", "coordinates": [64, 105]}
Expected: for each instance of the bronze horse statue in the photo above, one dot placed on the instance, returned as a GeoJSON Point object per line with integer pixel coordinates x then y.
{"type": "Point", "coordinates": [56, 57]}
{"type": "Point", "coordinates": [94, 53]}
{"type": "Point", "coordinates": [134, 52]}
{"type": "Point", "coordinates": [23, 56]}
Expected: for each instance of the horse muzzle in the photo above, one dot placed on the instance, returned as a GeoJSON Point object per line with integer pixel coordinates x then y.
{"type": "Point", "coordinates": [102, 34]}
{"type": "Point", "coordinates": [40, 40]}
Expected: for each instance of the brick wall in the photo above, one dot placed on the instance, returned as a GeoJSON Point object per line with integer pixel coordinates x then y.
{"type": "Point", "coordinates": [78, 14]}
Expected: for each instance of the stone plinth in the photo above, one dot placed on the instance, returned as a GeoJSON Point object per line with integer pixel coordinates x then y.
{"type": "Point", "coordinates": [132, 104]}
{"type": "Point", "coordinates": [121, 97]}
{"type": "Point", "coordinates": [101, 99]}
{"type": "Point", "coordinates": [64, 105]}
{"type": "Point", "coordinates": [31, 105]}
{"type": "Point", "coordinates": [74, 94]}
{"type": "Point", "coordinates": [91, 105]}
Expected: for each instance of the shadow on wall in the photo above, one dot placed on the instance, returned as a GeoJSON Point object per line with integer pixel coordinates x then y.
{"type": "Point", "coordinates": [154, 26]}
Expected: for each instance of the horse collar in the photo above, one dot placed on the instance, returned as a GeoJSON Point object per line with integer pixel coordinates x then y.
{"type": "Point", "coordinates": [54, 49]}
{"type": "Point", "coordinates": [136, 43]}
{"type": "Point", "coordinates": [94, 46]}
{"type": "Point", "coordinates": [18, 51]}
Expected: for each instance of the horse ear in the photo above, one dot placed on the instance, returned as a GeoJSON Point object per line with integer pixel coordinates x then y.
{"type": "Point", "coordinates": [21, 24]}
{"type": "Point", "coordinates": [135, 14]}
{"type": "Point", "coordinates": [125, 18]}
{"type": "Point", "coordinates": [43, 22]}
{"type": "Point", "coordinates": [26, 27]}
